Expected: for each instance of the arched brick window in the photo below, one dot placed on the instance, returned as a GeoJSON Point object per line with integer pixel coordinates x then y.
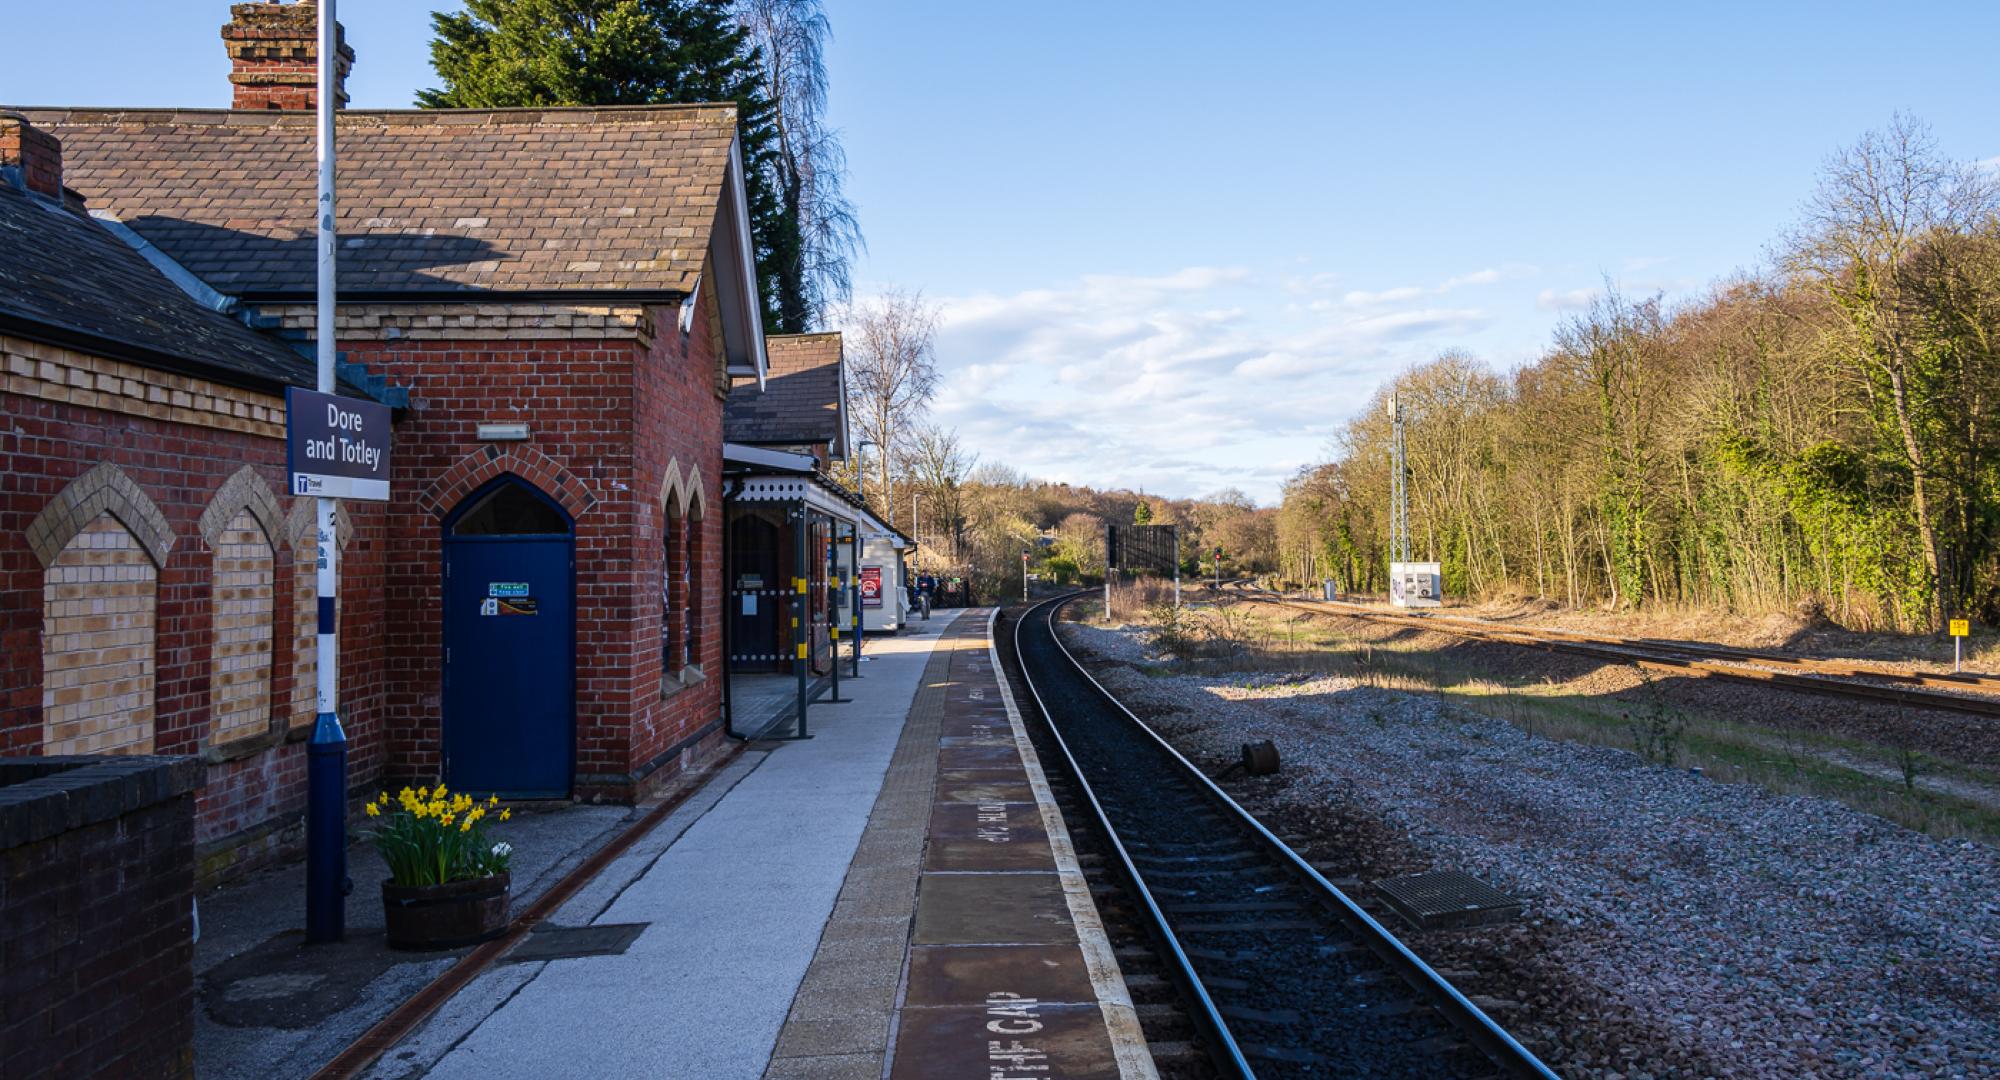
{"type": "Point", "coordinates": [239, 526]}
{"type": "Point", "coordinates": [239, 687]}
{"type": "Point", "coordinates": [101, 543]}
{"type": "Point", "coordinates": [673, 591]}
{"type": "Point", "coordinates": [99, 598]}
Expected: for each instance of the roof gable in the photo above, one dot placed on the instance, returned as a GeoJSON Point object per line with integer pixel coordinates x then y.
{"type": "Point", "coordinates": [432, 203]}
{"type": "Point", "coordinates": [803, 399]}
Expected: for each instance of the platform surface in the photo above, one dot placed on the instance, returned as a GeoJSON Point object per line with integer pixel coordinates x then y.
{"type": "Point", "coordinates": [894, 896]}
{"type": "Point", "coordinates": [964, 943]}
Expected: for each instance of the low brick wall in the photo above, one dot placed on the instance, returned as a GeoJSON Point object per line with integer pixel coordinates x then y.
{"type": "Point", "coordinates": [96, 916]}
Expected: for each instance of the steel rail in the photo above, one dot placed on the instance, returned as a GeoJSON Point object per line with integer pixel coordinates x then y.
{"type": "Point", "coordinates": [1501, 1048]}
{"type": "Point", "coordinates": [1661, 656]}
{"type": "Point", "coordinates": [1220, 1043]}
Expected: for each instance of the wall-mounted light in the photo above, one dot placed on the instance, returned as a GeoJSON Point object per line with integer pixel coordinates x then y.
{"type": "Point", "coordinates": [503, 432]}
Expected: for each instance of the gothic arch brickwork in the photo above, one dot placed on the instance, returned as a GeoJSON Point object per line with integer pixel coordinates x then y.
{"type": "Point", "coordinates": [244, 490]}
{"type": "Point", "coordinates": [526, 462]}
{"type": "Point", "coordinates": [104, 489]}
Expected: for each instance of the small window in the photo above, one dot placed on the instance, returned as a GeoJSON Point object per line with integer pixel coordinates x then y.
{"type": "Point", "coordinates": [510, 510]}
{"type": "Point", "coordinates": [670, 648]}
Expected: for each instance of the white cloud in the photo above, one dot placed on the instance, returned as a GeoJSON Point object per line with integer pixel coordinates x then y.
{"type": "Point", "coordinates": [1567, 300]}
{"type": "Point", "coordinates": [1179, 382]}
{"type": "Point", "coordinates": [1478, 277]}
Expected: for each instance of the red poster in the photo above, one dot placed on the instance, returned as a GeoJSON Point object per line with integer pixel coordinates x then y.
{"type": "Point", "coordinates": [871, 586]}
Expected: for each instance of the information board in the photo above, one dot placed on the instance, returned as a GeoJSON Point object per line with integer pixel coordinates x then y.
{"type": "Point", "coordinates": [336, 447]}
{"type": "Point", "coordinates": [871, 586]}
{"type": "Point", "coordinates": [1141, 548]}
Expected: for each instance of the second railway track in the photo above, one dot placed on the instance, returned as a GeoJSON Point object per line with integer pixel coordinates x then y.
{"type": "Point", "coordinates": [1285, 975]}
{"type": "Point", "coordinates": [1835, 678]}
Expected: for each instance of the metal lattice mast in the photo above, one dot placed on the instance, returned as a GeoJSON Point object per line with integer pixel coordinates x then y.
{"type": "Point", "coordinates": [1399, 495]}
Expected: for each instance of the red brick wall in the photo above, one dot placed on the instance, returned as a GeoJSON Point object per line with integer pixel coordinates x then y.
{"type": "Point", "coordinates": [609, 418]}
{"type": "Point", "coordinates": [679, 422]}
{"type": "Point", "coordinates": [604, 418]}
{"type": "Point", "coordinates": [45, 445]}
{"type": "Point", "coordinates": [98, 859]}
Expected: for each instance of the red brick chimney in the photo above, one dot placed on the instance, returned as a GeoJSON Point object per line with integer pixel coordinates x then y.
{"type": "Point", "coordinates": [274, 56]}
{"type": "Point", "coordinates": [30, 157]}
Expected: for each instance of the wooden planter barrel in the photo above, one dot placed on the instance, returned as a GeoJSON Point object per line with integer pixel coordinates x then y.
{"type": "Point", "coordinates": [446, 916]}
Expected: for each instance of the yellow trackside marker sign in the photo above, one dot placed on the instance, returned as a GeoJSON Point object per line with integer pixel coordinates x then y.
{"type": "Point", "coordinates": [802, 652]}
{"type": "Point", "coordinates": [1961, 627]}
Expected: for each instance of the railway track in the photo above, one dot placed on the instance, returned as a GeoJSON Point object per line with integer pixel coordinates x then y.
{"type": "Point", "coordinates": [1283, 975]}
{"type": "Point", "coordinates": [1837, 678]}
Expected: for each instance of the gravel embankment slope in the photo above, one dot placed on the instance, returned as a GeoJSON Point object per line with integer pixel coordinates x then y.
{"type": "Point", "coordinates": [1767, 935]}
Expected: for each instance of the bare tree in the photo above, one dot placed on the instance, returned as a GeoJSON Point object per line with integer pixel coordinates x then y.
{"type": "Point", "coordinates": [1880, 204]}
{"type": "Point", "coordinates": [892, 372]}
{"type": "Point", "coordinates": [939, 468]}
{"type": "Point", "coordinates": [810, 167]}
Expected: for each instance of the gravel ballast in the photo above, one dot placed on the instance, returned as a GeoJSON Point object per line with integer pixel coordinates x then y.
{"type": "Point", "coordinates": [1757, 934]}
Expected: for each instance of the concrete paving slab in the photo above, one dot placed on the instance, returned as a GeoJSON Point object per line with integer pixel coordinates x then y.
{"type": "Point", "coordinates": [978, 909]}
{"type": "Point", "coordinates": [1009, 1036]}
{"type": "Point", "coordinates": [988, 836]}
{"type": "Point", "coordinates": [970, 974]}
{"type": "Point", "coordinates": [736, 902]}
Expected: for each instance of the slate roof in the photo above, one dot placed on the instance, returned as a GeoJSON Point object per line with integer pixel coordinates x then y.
{"type": "Point", "coordinates": [801, 400]}
{"type": "Point", "coordinates": [580, 201]}
{"type": "Point", "coordinates": [65, 279]}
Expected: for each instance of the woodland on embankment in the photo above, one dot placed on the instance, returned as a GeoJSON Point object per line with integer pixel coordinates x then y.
{"type": "Point", "coordinates": [1818, 435]}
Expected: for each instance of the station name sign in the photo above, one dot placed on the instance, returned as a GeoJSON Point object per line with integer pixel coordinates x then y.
{"type": "Point", "coordinates": [336, 447]}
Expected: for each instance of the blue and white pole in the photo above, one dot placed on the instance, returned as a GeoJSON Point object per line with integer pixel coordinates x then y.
{"type": "Point", "coordinates": [326, 754]}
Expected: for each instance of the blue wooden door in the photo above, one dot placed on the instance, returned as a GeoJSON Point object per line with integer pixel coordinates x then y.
{"type": "Point", "coordinates": [510, 645]}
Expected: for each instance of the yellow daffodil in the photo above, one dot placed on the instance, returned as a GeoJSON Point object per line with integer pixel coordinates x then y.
{"type": "Point", "coordinates": [493, 801]}
{"type": "Point", "coordinates": [374, 811]}
{"type": "Point", "coordinates": [506, 814]}
{"type": "Point", "coordinates": [423, 793]}
{"type": "Point", "coordinates": [467, 827]}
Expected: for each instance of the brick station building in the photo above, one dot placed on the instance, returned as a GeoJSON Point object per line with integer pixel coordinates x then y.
{"type": "Point", "coordinates": [555, 301]}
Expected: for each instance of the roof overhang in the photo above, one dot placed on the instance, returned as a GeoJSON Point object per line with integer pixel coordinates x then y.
{"type": "Point", "coordinates": [764, 458]}
{"type": "Point", "coordinates": [733, 256]}
{"type": "Point", "coordinates": [812, 491]}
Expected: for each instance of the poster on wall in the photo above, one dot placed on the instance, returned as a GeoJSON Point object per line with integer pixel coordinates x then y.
{"type": "Point", "coordinates": [871, 586]}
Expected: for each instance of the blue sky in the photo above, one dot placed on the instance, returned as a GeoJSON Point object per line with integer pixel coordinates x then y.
{"type": "Point", "coordinates": [1177, 244]}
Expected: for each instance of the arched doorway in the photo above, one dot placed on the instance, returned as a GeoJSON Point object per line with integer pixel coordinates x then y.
{"type": "Point", "coordinates": [509, 643]}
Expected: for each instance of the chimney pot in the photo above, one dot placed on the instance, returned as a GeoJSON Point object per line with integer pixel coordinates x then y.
{"type": "Point", "coordinates": [274, 56]}
{"type": "Point", "coordinates": [30, 157]}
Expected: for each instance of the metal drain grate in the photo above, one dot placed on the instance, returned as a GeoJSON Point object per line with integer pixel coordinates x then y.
{"type": "Point", "coordinates": [1447, 898]}
{"type": "Point", "coordinates": [570, 942]}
